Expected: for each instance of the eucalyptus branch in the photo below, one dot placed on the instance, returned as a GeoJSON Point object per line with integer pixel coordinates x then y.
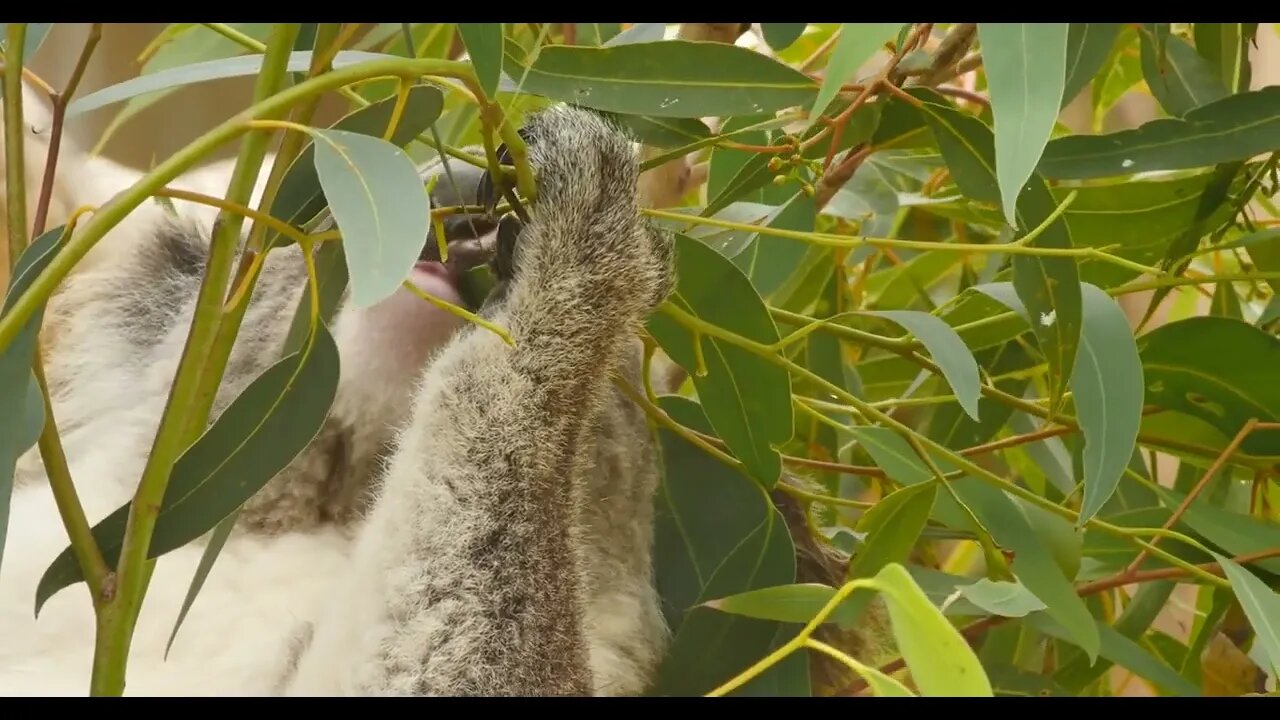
{"type": "Point", "coordinates": [15, 162]}
{"type": "Point", "coordinates": [190, 400]}
{"type": "Point", "coordinates": [83, 545]}
{"type": "Point", "coordinates": [950, 51]}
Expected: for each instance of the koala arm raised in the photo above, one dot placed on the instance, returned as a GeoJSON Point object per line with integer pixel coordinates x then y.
{"type": "Point", "coordinates": [469, 572]}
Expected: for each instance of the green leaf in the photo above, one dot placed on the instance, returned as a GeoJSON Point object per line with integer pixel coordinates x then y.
{"type": "Point", "coordinates": [194, 73]}
{"type": "Point", "coordinates": [1125, 653]}
{"type": "Point", "coordinates": [256, 437]}
{"type": "Point", "coordinates": [796, 603]}
{"type": "Point", "coordinates": [1076, 671]}
{"type": "Point", "coordinates": [941, 662]}
{"type": "Point", "coordinates": [1261, 605]}
{"type": "Point", "coordinates": [1235, 532]}
{"type": "Point", "coordinates": [780, 36]}
{"type": "Point", "coordinates": [1030, 533]}
{"type": "Point", "coordinates": [663, 131]}
{"type": "Point", "coordinates": [1026, 65]}
{"type": "Point", "coordinates": [595, 33]}
{"type": "Point", "coordinates": [21, 405]}
{"type": "Point", "coordinates": [1106, 388]}
{"type": "Point", "coordinates": [946, 349]}
{"type": "Point", "coordinates": [1225, 46]}
{"type": "Point", "coordinates": [187, 43]}
{"type": "Point", "coordinates": [716, 535]}
{"type": "Point", "coordinates": [1218, 370]}
{"type": "Point", "coordinates": [1088, 45]}
{"type": "Point", "coordinates": [484, 48]}
{"type": "Point", "coordinates": [380, 205]}
{"type": "Point", "coordinates": [1048, 286]}
{"type": "Point", "coordinates": [856, 44]}
{"type": "Point", "coordinates": [217, 539]}
{"type": "Point", "coordinates": [671, 78]}
{"type": "Point", "coordinates": [300, 197]}
{"type": "Point", "coordinates": [769, 260]}
{"type": "Point", "coordinates": [892, 527]}
{"type": "Point", "coordinates": [36, 33]}
{"type": "Point", "coordinates": [638, 33]}
{"type": "Point", "coordinates": [1235, 128]}
{"type": "Point", "coordinates": [1180, 79]}
{"type": "Point", "coordinates": [1007, 599]}
{"type": "Point", "coordinates": [746, 398]}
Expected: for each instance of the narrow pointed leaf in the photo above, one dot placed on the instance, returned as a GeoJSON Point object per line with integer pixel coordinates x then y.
{"type": "Point", "coordinates": [855, 46]}
{"type": "Point", "coordinates": [34, 38]}
{"type": "Point", "coordinates": [1026, 65]}
{"type": "Point", "coordinates": [947, 349]}
{"type": "Point", "coordinates": [217, 539]}
{"type": "Point", "coordinates": [1181, 79]}
{"type": "Point", "coordinates": [940, 659]}
{"type": "Point", "coordinates": [747, 399]}
{"type": "Point", "coordinates": [797, 604]}
{"type": "Point", "coordinates": [1261, 605]}
{"type": "Point", "coordinates": [21, 406]}
{"type": "Point", "coordinates": [380, 205]}
{"type": "Point", "coordinates": [256, 437]}
{"type": "Point", "coordinates": [1225, 46]}
{"type": "Point", "coordinates": [1088, 45]}
{"type": "Point", "coordinates": [484, 47]}
{"type": "Point", "coordinates": [672, 78]}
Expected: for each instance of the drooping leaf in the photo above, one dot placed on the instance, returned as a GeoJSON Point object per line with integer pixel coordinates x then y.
{"type": "Point", "coordinates": [380, 205]}
{"type": "Point", "coordinates": [1048, 286]}
{"type": "Point", "coordinates": [941, 662]}
{"type": "Point", "coordinates": [781, 35]}
{"type": "Point", "coordinates": [671, 78]}
{"type": "Point", "coordinates": [946, 348]}
{"type": "Point", "coordinates": [257, 436]}
{"type": "Point", "coordinates": [1075, 669]}
{"type": "Point", "coordinates": [484, 47]}
{"type": "Point", "coordinates": [1107, 389]}
{"type": "Point", "coordinates": [1007, 599]}
{"type": "Point", "coordinates": [300, 196]}
{"type": "Point", "coordinates": [1026, 65]}
{"type": "Point", "coordinates": [31, 42]}
{"type": "Point", "coordinates": [747, 399]}
{"type": "Point", "coordinates": [1179, 78]}
{"type": "Point", "coordinates": [1261, 605]}
{"type": "Point", "coordinates": [1127, 654]}
{"type": "Point", "coordinates": [1225, 46]}
{"type": "Point", "coordinates": [1037, 563]}
{"type": "Point", "coordinates": [21, 405]}
{"type": "Point", "coordinates": [1217, 370]}
{"type": "Point", "coordinates": [1234, 128]}
{"type": "Point", "coordinates": [1088, 45]}
{"type": "Point", "coordinates": [299, 61]}
{"type": "Point", "coordinates": [186, 44]}
{"type": "Point", "coordinates": [716, 535]}
{"type": "Point", "coordinates": [856, 44]}
{"type": "Point", "coordinates": [217, 539]}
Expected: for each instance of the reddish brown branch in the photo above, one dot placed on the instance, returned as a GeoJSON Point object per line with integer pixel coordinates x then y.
{"type": "Point", "coordinates": [60, 101]}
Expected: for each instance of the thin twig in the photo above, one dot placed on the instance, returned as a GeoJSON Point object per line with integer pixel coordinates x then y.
{"type": "Point", "coordinates": [1195, 491]}
{"type": "Point", "coordinates": [60, 102]}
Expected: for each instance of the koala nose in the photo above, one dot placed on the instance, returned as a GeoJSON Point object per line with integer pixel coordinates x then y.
{"type": "Point", "coordinates": [463, 185]}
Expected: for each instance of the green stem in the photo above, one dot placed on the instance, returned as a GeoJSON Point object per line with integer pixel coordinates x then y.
{"type": "Point", "coordinates": [843, 241]}
{"type": "Point", "coordinates": [15, 161]}
{"type": "Point", "coordinates": [125, 202]}
{"type": "Point", "coordinates": [187, 410]}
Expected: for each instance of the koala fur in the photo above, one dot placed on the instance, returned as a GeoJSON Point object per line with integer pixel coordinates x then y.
{"type": "Point", "coordinates": [473, 519]}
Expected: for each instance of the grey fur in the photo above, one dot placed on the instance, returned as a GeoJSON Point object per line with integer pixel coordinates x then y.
{"type": "Point", "coordinates": [502, 512]}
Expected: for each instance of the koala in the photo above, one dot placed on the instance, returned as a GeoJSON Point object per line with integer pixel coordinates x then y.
{"type": "Point", "coordinates": [473, 518]}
